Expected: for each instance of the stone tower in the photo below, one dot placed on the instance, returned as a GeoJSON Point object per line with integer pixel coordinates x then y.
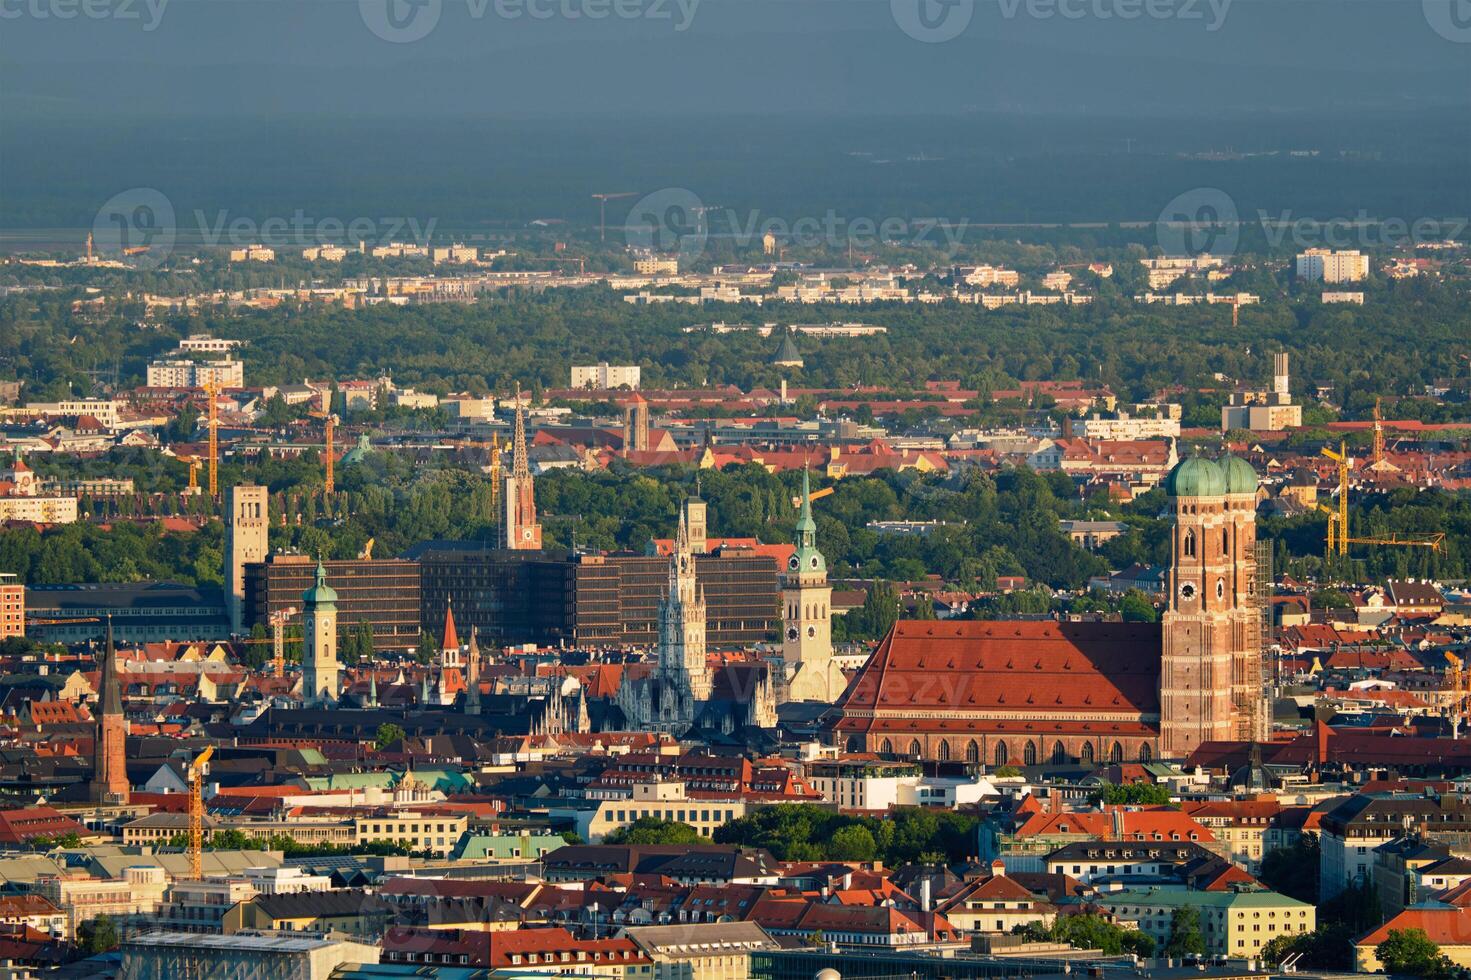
{"type": "Point", "coordinates": [692, 515]}
{"type": "Point", "coordinates": [319, 667]}
{"type": "Point", "coordinates": [636, 424]}
{"type": "Point", "coordinates": [682, 660]}
{"type": "Point", "coordinates": [519, 529]}
{"type": "Point", "coordinates": [1209, 690]}
{"type": "Point", "coordinates": [247, 536]}
{"type": "Point", "coordinates": [807, 647]}
{"type": "Point", "coordinates": [110, 768]}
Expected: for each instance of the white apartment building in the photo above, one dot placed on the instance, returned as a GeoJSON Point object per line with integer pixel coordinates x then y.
{"type": "Point", "coordinates": [324, 253]}
{"type": "Point", "coordinates": [400, 250]}
{"type": "Point", "coordinates": [1356, 299]}
{"type": "Point", "coordinates": [469, 408]}
{"type": "Point", "coordinates": [1058, 280]}
{"type": "Point", "coordinates": [664, 799]}
{"type": "Point", "coordinates": [656, 265]}
{"type": "Point", "coordinates": [103, 410]}
{"type": "Point", "coordinates": [1126, 428]}
{"type": "Point", "coordinates": [253, 253]}
{"type": "Point", "coordinates": [409, 398]}
{"type": "Point", "coordinates": [1326, 265]}
{"type": "Point", "coordinates": [196, 374]}
{"type": "Point", "coordinates": [436, 832]}
{"type": "Point", "coordinates": [988, 275]}
{"type": "Point", "coordinates": [203, 343]}
{"type": "Point", "coordinates": [604, 376]}
{"type": "Point", "coordinates": [457, 253]}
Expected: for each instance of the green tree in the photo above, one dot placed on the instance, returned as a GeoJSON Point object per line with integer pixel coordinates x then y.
{"type": "Point", "coordinates": [387, 734]}
{"type": "Point", "coordinates": [1410, 952]}
{"type": "Point", "coordinates": [1293, 871]}
{"type": "Point", "coordinates": [98, 935]}
{"type": "Point", "coordinates": [854, 843]}
{"type": "Point", "coordinates": [1133, 794]}
{"type": "Point", "coordinates": [1186, 939]}
{"type": "Point", "coordinates": [652, 830]}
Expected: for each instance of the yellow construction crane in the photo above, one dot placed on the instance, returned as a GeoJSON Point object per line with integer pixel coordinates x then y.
{"type": "Point", "coordinates": [1378, 432]}
{"type": "Point", "coordinates": [193, 475]}
{"type": "Point", "coordinates": [367, 553]}
{"type": "Point", "coordinates": [278, 640]}
{"type": "Point", "coordinates": [198, 769]}
{"type": "Point", "coordinates": [816, 495]}
{"type": "Point", "coordinates": [211, 391]}
{"type": "Point", "coordinates": [1338, 536]}
{"type": "Point", "coordinates": [493, 452]}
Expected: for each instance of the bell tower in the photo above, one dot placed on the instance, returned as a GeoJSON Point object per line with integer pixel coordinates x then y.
{"type": "Point", "coordinates": [807, 644]}
{"type": "Point", "coordinates": [1206, 640]}
{"type": "Point", "coordinates": [319, 667]}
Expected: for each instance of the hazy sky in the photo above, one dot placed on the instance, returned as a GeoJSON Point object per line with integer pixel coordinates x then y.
{"type": "Point", "coordinates": [642, 57]}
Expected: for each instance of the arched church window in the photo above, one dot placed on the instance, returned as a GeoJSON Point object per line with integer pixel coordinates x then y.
{"type": "Point", "coordinates": [914, 748]}
{"type": "Point", "coordinates": [1001, 754]}
{"type": "Point", "coordinates": [943, 752]}
{"type": "Point", "coordinates": [886, 747]}
{"type": "Point", "coordinates": [1029, 754]}
{"type": "Point", "coordinates": [1145, 754]}
{"type": "Point", "coordinates": [1116, 754]}
{"type": "Point", "coordinates": [972, 751]}
{"type": "Point", "coordinates": [1086, 755]}
{"type": "Point", "coordinates": [1059, 754]}
{"type": "Point", "coordinates": [1188, 546]}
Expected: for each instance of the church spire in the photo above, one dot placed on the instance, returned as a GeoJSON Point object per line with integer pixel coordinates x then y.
{"type": "Point", "coordinates": [109, 767]}
{"type": "Point", "coordinates": [519, 467]}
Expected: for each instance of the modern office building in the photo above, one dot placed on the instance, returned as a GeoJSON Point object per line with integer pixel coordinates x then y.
{"type": "Point", "coordinates": [381, 592]}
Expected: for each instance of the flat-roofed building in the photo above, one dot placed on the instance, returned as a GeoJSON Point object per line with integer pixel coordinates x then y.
{"type": "Point", "coordinates": [141, 612]}
{"type": "Point", "coordinates": [172, 955]}
{"type": "Point", "coordinates": [384, 593]}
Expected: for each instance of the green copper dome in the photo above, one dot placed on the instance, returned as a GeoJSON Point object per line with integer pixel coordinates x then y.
{"type": "Point", "coordinates": [321, 593]}
{"type": "Point", "coordinates": [1196, 477]}
{"type": "Point", "coordinates": [1240, 477]}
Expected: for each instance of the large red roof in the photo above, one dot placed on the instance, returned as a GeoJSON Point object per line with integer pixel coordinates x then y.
{"type": "Point", "coordinates": [1009, 676]}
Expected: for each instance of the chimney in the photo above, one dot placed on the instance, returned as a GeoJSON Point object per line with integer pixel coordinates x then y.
{"type": "Point", "coordinates": [924, 894]}
{"type": "Point", "coordinates": [998, 869]}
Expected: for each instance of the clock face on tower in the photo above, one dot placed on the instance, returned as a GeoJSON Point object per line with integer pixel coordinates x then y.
{"type": "Point", "coordinates": [1187, 591]}
{"type": "Point", "coordinates": [794, 563]}
{"type": "Point", "coordinates": [812, 631]}
{"type": "Point", "coordinates": [792, 632]}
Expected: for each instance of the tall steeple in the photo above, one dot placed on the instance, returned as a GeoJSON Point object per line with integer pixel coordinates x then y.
{"type": "Point", "coordinates": [319, 667]}
{"type": "Point", "coordinates": [682, 624]}
{"type": "Point", "coordinates": [449, 652]}
{"type": "Point", "coordinates": [809, 671]}
{"type": "Point", "coordinates": [472, 676]}
{"type": "Point", "coordinates": [519, 529]}
{"type": "Point", "coordinates": [110, 771]}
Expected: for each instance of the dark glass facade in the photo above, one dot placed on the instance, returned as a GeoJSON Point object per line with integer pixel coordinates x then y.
{"type": "Point", "coordinates": [383, 593]}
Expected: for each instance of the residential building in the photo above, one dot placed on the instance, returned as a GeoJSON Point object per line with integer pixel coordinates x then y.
{"type": "Point", "coordinates": [182, 373]}
{"type": "Point", "coordinates": [203, 343]}
{"type": "Point", "coordinates": [1350, 833]}
{"type": "Point", "coordinates": [1232, 923]}
{"type": "Point", "coordinates": [104, 410]}
{"type": "Point", "coordinates": [1326, 265]}
{"type": "Point", "coordinates": [605, 377]}
{"type": "Point", "coordinates": [423, 830]}
{"type": "Point", "coordinates": [708, 951]}
{"type": "Point", "coordinates": [1264, 411]}
{"type": "Point", "coordinates": [1355, 299]}
{"type": "Point", "coordinates": [12, 606]}
{"type": "Point", "coordinates": [253, 253]}
{"type": "Point", "coordinates": [655, 265]}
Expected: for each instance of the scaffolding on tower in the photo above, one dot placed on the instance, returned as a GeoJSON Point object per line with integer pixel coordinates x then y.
{"type": "Point", "coordinates": [211, 391]}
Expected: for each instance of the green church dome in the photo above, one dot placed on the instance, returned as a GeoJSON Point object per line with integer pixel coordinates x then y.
{"type": "Point", "coordinates": [1196, 477]}
{"type": "Point", "coordinates": [1240, 477]}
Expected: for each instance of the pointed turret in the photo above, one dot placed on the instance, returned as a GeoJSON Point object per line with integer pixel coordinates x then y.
{"type": "Point", "coordinates": [372, 689]}
{"type": "Point", "coordinates": [110, 772]}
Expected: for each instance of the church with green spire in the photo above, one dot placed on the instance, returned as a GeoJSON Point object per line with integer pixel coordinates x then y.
{"type": "Point", "coordinates": [808, 671]}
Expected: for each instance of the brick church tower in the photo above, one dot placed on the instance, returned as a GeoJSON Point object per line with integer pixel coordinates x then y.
{"type": "Point", "coordinates": [1211, 686]}
{"type": "Point", "coordinates": [110, 769]}
{"type": "Point", "coordinates": [519, 528]}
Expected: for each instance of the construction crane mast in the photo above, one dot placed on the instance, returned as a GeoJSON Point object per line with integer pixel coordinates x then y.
{"type": "Point", "coordinates": [278, 640]}
{"type": "Point", "coordinates": [198, 769]}
{"type": "Point", "coordinates": [603, 200]}
{"type": "Point", "coordinates": [211, 391]}
{"type": "Point", "coordinates": [1338, 536]}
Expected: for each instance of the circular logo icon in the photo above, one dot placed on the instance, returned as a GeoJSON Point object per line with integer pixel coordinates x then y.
{"type": "Point", "coordinates": [1451, 19]}
{"type": "Point", "coordinates": [932, 21]}
{"type": "Point", "coordinates": [1199, 222]}
{"type": "Point", "coordinates": [138, 225]}
{"type": "Point", "coordinates": [668, 222]}
{"type": "Point", "coordinates": [401, 21]}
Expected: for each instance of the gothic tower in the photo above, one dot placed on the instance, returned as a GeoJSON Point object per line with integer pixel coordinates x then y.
{"type": "Point", "coordinates": [1207, 689]}
{"type": "Point", "coordinates": [319, 684]}
{"type": "Point", "coordinates": [807, 647]}
{"type": "Point", "coordinates": [682, 625]}
{"type": "Point", "coordinates": [692, 514]}
{"type": "Point", "coordinates": [247, 531]}
{"type": "Point", "coordinates": [519, 529]}
{"type": "Point", "coordinates": [110, 769]}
